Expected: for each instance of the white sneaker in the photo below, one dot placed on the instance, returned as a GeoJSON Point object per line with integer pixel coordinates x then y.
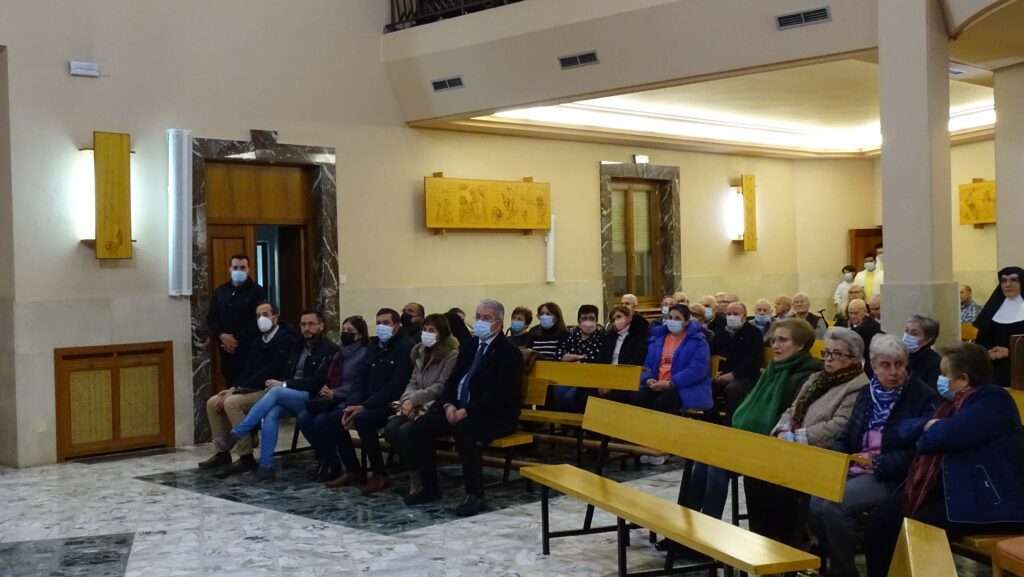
{"type": "Point", "coordinates": [656, 460]}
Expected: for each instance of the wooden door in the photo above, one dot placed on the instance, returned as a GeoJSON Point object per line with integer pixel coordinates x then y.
{"type": "Point", "coordinates": [637, 254]}
{"type": "Point", "coordinates": [114, 398]}
{"type": "Point", "coordinates": [225, 241]}
{"type": "Point", "coordinates": [863, 243]}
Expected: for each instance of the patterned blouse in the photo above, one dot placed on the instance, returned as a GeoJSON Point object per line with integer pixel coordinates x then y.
{"type": "Point", "coordinates": [590, 348]}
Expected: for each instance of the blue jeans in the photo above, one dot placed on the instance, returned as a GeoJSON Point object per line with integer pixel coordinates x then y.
{"type": "Point", "coordinates": [268, 410]}
{"type": "Point", "coordinates": [709, 487]}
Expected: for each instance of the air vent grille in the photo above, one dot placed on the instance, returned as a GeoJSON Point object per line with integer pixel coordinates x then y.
{"type": "Point", "coordinates": [577, 60]}
{"type": "Point", "coordinates": [447, 83]}
{"type": "Point", "coordinates": [816, 16]}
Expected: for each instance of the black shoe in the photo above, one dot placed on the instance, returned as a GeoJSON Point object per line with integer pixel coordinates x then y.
{"type": "Point", "coordinates": [421, 498]}
{"type": "Point", "coordinates": [217, 460]}
{"type": "Point", "coordinates": [244, 464]}
{"type": "Point", "coordinates": [328, 472]}
{"type": "Point", "coordinates": [681, 552]}
{"type": "Point", "coordinates": [471, 505]}
{"type": "Point", "coordinates": [263, 475]}
{"type": "Point", "coordinates": [316, 473]}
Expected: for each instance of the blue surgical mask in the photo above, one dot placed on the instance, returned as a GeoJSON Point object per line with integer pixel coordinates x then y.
{"type": "Point", "coordinates": [518, 326]}
{"type": "Point", "coordinates": [763, 319]}
{"type": "Point", "coordinates": [547, 321]}
{"type": "Point", "coordinates": [481, 329]}
{"type": "Point", "coordinates": [428, 339]}
{"type": "Point", "coordinates": [675, 326]}
{"type": "Point", "coordinates": [238, 277]}
{"type": "Point", "coordinates": [384, 333]}
{"type": "Point", "coordinates": [911, 342]}
{"type": "Point", "coordinates": [944, 390]}
{"type": "Point", "coordinates": [709, 313]}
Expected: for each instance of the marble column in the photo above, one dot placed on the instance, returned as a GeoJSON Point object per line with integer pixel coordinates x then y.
{"type": "Point", "coordinates": [1009, 89]}
{"type": "Point", "coordinates": [916, 204]}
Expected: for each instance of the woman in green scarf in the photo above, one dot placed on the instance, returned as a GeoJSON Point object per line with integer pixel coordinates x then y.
{"type": "Point", "coordinates": [791, 341]}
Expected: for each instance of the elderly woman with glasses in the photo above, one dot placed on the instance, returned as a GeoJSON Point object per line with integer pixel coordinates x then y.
{"type": "Point", "coordinates": [879, 464]}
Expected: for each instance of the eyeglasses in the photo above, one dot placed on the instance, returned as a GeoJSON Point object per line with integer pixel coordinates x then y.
{"type": "Point", "coordinates": [829, 355]}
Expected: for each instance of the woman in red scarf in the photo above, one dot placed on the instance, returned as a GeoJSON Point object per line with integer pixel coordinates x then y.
{"type": "Point", "coordinates": [968, 475]}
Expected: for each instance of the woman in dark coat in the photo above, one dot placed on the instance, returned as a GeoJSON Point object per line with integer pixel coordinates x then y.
{"type": "Point", "coordinates": [967, 477]}
{"type": "Point", "coordinates": [1001, 318]}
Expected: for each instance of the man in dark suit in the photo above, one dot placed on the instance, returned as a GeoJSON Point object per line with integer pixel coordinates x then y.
{"type": "Point", "coordinates": [860, 321]}
{"type": "Point", "coordinates": [741, 346]}
{"type": "Point", "coordinates": [231, 318]}
{"type": "Point", "coordinates": [480, 403]}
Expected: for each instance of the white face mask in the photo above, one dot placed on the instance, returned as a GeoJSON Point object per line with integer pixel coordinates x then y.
{"type": "Point", "coordinates": [428, 339]}
{"type": "Point", "coordinates": [734, 321]}
{"type": "Point", "coordinates": [848, 276]}
{"type": "Point", "coordinates": [869, 266]}
{"type": "Point", "coordinates": [664, 311]}
{"type": "Point", "coordinates": [264, 324]}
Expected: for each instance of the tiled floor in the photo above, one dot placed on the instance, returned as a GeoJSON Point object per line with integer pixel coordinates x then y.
{"type": "Point", "coordinates": [83, 519]}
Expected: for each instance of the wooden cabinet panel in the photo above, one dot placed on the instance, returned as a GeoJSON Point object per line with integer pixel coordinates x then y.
{"type": "Point", "coordinates": [114, 398]}
{"type": "Point", "coordinates": [112, 163]}
{"type": "Point", "coordinates": [91, 395]}
{"type": "Point", "coordinates": [257, 194]}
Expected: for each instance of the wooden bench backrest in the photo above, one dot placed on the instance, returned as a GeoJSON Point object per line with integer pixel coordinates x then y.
{"type": "Point", "coordinates": [1018, 397]}
{"type": "Point", "coordinates": [922, 551]}
{"type": "Point", "coordinates": [589, 375]}
{"type": "Point", "coordinates": [968, 332]}
{"type": "Point", "coordinates": [810, 470]}
{"type": "Point", "coordinates": [535, 391]}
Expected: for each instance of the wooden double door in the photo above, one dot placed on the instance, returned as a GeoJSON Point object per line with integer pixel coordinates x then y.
{"type": "Point", "coordinates": [263, 212]}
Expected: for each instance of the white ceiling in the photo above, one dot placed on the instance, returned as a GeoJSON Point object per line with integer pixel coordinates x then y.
{"type": "Point", "coordinates": [829, 108]}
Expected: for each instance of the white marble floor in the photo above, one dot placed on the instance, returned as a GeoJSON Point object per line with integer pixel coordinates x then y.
{"type": "Point", "coordinates": [182, 533]}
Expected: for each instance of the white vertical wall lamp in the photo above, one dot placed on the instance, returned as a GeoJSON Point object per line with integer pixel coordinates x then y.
{"type": "Point", "coordinates": [179, 211]}
{"type": "Point", "coordinates": [549, 241]}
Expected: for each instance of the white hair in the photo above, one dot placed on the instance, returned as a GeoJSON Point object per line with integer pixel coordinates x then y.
{"type": "Point", "coordinates": [850, 338]}
{"type": "Point", "coordinates": [888, 346]}
{"type": "Point", "coordinates": [496, 306]}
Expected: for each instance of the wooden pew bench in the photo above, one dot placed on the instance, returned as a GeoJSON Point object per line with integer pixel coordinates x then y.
{"type": "Point", "coordinates": [581, 375]}
{"type": "Point", "coordinates": [922, 551]}
{"type": "Point", "coordinates": [806, 469]}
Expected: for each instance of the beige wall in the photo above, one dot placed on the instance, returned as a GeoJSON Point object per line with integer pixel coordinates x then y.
{"type": "Point", "coordinates": [8, 424]}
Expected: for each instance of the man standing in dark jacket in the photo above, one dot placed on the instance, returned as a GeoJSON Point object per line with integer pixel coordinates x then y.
{"type": "Point", "coordinates": [741, 345]}
{"type": "Point", "coordinates": [480, 403]}
{"type": "Point", "coordinates": [268, 358]}
{"type": "Point", "coordinates": [388, 369]}
{"type": "Point", "coordinates": [231, 319]}
{"type": "Point", "coordinates": [865, 326]}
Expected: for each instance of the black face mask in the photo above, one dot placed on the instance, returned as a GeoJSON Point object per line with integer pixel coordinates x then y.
{"type": "Point", "coordinates": [406, 319]}
{"type": "Point", "coordinates": [348, 338]}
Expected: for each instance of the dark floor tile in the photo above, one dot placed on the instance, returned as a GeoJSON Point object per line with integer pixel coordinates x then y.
{"type": "Point", "coordinates": [92, 556]}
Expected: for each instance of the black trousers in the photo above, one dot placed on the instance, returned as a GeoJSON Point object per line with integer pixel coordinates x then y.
{"type": "Point", "coordinates": [666, 401]}
{"type": "Point", "coordinates": [734, 392]}
{"type": "Point", "coordinates": [232, 364]}
{"type": "Point", "coordinates": [775, 512]}
{"type": "Point", "coordinates": [471, 436]}
{"type": "Point", "coordinates": [368, 423]}
{"type": "Point", "coordinates": [885, 522]}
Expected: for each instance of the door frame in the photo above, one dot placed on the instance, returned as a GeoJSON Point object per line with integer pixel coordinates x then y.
{"type": "Point", "coordinates": [666, 179]}
{"type": "Point", "coordinates": [261, 148]}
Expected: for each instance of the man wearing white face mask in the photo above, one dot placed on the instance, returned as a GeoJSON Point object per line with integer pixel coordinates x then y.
{"type": "Point", "coordinates": [919, 337]}
{"type": "Point", "coordinates": [839, 298]}
{"type": "Point", "coordinates": [269, 356]}
{"type": "Point", "coordinates": [742, 350]}
{"type": "Point", "coordinates": [871, 278]}
{"type": "Point", "coordinates": [480, 403]}
{"type": "Point", "coordinates": [231, 319]}
{"type": "Point", "coordinates": [388, 369]}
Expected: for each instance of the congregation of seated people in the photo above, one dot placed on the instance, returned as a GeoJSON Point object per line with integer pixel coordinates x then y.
{"type": "Point", "coordinates": [918, 423]}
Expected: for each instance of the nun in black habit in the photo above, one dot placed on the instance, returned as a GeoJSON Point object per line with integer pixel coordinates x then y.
{"type": "Point", "coordinates": [1001, 318]}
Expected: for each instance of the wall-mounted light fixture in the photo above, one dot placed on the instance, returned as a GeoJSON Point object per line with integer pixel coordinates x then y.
{"type": "Point", "coordinates": [740, 214]}
{"type": "Point", "coordinates": [179, 212]}
{"type": "Point", "coordinates": [110, 177]}
{"type": "Point", "coordinates": [641, 159]}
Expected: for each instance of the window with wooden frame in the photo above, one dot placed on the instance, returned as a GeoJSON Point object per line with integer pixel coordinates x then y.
{"type": "Point", "coordinates": [637, 250]}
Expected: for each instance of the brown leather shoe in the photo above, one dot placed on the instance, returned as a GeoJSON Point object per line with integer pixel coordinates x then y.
{"type": "Point", "coordinates": [376, 484]}
{"type": "Point", "coordinates": [345, 480]}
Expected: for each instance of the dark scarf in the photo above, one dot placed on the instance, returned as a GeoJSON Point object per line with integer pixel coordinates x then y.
{"type": "Point", "coordinates": [996, 300]}
{"type": "Point", "coordinates": [823, 382]}
{"type": "Point", "coordinates": [926, 469]}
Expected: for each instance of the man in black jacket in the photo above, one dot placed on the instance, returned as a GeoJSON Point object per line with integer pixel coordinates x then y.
{"type": "Point", "coordinates": [307, 364]}
{"type": "Point", "coordinates": [857, 318]}
{"type": "Point", "coordinates": [388, 369]}
{"type": "Point", "coordinates": [741, 345]}
{"type": "Point", "coordinates": [230, 318]}
{"type": "Point", "coordinates": [268, 359]}
{"type": "Point", "coordinates": [481, 403]}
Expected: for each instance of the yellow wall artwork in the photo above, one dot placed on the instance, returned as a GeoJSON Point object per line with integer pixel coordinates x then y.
{"type": "Point", "coordinates": [978, 202]}
{"type": "Point", "coordinates": [461, 203]}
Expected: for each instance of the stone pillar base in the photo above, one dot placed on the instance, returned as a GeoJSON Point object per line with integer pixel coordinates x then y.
{"type": "Point", "coordinates": [938, 300]}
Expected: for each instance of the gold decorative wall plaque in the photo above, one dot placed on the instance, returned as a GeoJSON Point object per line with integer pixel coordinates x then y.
{"type": "Point", "coordinates": [978, 202]}
{"type": "Point", "coordinates": [472, 204]}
